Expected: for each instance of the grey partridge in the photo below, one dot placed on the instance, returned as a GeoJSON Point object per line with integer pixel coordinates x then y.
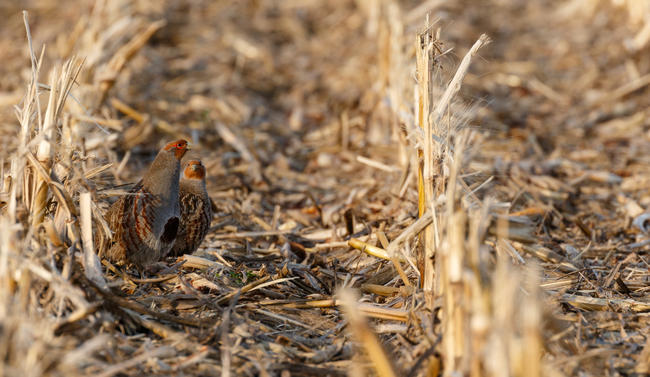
{"type": "Point", "coordinates": [145, 221]}
{"type": "Point", "coordinates": [196, 209]}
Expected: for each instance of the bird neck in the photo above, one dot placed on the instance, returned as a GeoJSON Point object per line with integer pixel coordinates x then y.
{"type": "Point", "coordinates": [162, 177]}
{"type": "Point", "coordinates": [196, 186]}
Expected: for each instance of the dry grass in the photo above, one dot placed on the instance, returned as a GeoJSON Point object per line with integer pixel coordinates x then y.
{"type": "Point", "coordinates": [389, 199]}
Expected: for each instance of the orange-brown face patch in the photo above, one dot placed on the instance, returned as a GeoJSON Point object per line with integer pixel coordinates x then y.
{"type": "Point", "coordinates": [194, 170]}
{"type": "Point", "coordinates": [179, 147]}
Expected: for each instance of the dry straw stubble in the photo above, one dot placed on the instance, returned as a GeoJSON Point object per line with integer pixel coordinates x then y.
{"type": "Point", "coordinates": [317, 104]}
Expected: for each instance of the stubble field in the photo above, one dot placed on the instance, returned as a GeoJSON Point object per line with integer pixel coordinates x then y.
{"type": "Point", "coordinates": [399, 188]}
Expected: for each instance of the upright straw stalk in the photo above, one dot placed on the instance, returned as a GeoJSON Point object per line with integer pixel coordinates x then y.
{"type": "Point", "coordinates": [394, 50]}
{"type": "Point", "coordinates": [61, 81]}
{"type": "Point", "coordinates": [450, 268]}
{"type": "Point", "coordinates": [25, 114]}
{"type": "Point", "coordinates": [44, 153]}
{"type": "Point", "coordinates": [441, 157]}
{"type": "Point", "coordinates": [425, 51]}
{"type": "Point", "coordinates": [36, 178]}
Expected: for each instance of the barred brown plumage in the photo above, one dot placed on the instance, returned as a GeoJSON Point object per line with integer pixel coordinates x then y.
{"type": "Point", "coordinates": [195, 209]}
{"type": "Point", "coordinates": [145, 221]}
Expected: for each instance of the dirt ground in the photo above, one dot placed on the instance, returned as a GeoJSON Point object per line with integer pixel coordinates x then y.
{"type": "Point", "coordinates": [297, 110]}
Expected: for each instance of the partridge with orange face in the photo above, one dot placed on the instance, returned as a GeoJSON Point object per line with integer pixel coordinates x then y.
{"type": "Point", "coordinates": [196, 211]}
{"type": "Point", "coordinates": [145, 221]}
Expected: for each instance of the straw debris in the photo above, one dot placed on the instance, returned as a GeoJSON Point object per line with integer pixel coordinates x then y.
{"type": "Point", "coordinates": [393, 195]}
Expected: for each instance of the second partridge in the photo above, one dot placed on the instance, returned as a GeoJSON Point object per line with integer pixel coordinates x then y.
{"type": "Point", "coordinates": [195, 209]}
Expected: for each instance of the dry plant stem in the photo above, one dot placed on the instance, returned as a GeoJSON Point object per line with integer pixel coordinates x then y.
{"type": "Point", "coordinates": [113, 124]}
{"type": "Point", "coordinates": [364, 335]}
{"type": "Point", "coordinates": [85, 351]}
{"type": "Point", "coordinates": [242, 290]}
{"type": "Point", "coordinates": [127, 110]}
{"type": "Point", "coordinates": [454, 315]}
{"type": "Point", "coordinates": [123, 55]}
{"type": "Point", "coordinates": [445, 238]}
{"type": "Point", "coordinates": [624, 90]}
{"type": "Point", "coordinates": [383, 290]}
{"type": "Point", "coordinates": [434, 121]}
{"type": "Point", "coordinates": [283, 318]}
{"type": "Point", "coordinates": [29, 101]}
{"type": "Point", "coordinates": [251, 234]}
{"type": "Point", "coordinates": [394, 252]}
{"type": "Point", "coordinates": [532, 324]}
{"type": "Point", "coordinates": [454, 85]}
{"type": "Point", "coordinates": [126, 304]}
{"type": "Point", "coordinates": [408, 233]}
{"type": "Point", "coordinates": [371, 310]}
{"type": "Point", "coordinates": [201, 263]}
{"type": "Point", "coordinates": [394, 259]}
{"type": "Point", "coordinates": [424, 60]}
{"type": "Point", "coordinates": [62, 287]}
{"type": "Point", "coordinates": [76, 316]}
{"type": "Point", "coordinates": [378, 312]}
{"type": "Point", "coordinates": [643, 361]}
{"type": "Point", "coordinates": [229, 137]}
{"type": "Point", "coordinates": [31, 104]}
{"type": "Point", "coordinates": [377, 164]}
{"type": "Point", "coordinates": [159, 279]}
{"type": "Point", "coordinates": [92, 265]}
{"type": "Point", "coordinates": [478, 301]}
{"type": "Point", "coordinates": [91, 173]}
{"type": "Point", "coordinates": [450, 267]}
{"type": "Point", "coordinates": [61, 83]}
{"type": "Point", "coordinates": [226, 347]}
{"type": "Point", "coordinates": [400, 271]}
{"type": "Point", "coordinates": [641, 39]}
{"type": "Point", "coordinates": [155, 353]}
{"type": "Point", "coordinates": [601, 304]}
{"type": "Point", "coordinates": [369, 249]}
{"type": "Point", "coordinates": [163, 331]}
{"type": "Point", "coordinates": [502, 306]}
